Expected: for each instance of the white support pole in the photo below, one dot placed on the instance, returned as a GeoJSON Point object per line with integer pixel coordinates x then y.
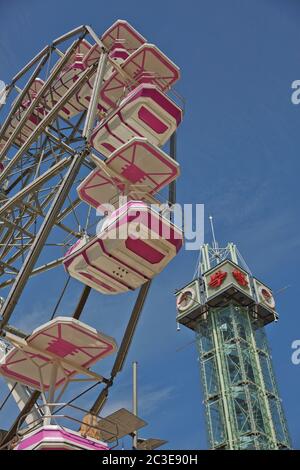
{"type": "Point", "coordinates": [51, 393]}
{"type": "Point", "coordinates": [92, 109]}
{"type": "Point", "coordinates": [134, 400]}
{"type": "Point", "coordinates": [205, 258]}
{"type": "Point", "coordinates": [232, 251]}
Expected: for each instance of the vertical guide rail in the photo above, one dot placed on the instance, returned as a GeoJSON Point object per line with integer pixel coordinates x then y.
{"type": "Point", "coordinates": [222, 382]}
{"type": "Point", "coordinates": [39, 241]}
{"type": "Point", "coordinates": [264, 396]}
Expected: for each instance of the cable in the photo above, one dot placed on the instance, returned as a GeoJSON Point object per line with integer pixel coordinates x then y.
{"type": "Point", "coordinates": [197, 268]}
{"type": "Point", "coordinates": [60, 298]}
{"type": "Point", "coordinates": [7, 397]}
{"type": "Point", "coordinates": [78, 396]}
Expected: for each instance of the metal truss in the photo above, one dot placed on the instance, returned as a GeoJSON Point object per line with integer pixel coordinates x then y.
{"type": "Point", "coordinates": [39, 208]}
{"type": "Point", "coordinates": [243, 408]}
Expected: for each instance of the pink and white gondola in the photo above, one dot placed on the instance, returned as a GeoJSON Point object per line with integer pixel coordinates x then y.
{"type": "Point", "coordinates": [65, 343]}
{"type": "Point", "coordinates": [147, 59]}
{"type": "Point", "coordinates": [123, 30]}
{"type": "Point", "coordinates": [118, 53]}
{"type": "Point", "coordinates": [55, 437]}
{"type": "Point", "coordinates": [135, 244]}
{"type": "Point", "coordinates": [33, 120]}
{"type": "Point", "coordinates": [74, 67]}
{"type": "Point", "coordinates": [145, 112]}
{"type": "Point", "coordinates": [121, 39]}
{"type": "Point", "coordinates": [136, 170]}
{"type": "Point", "coordinates": [48, 360]}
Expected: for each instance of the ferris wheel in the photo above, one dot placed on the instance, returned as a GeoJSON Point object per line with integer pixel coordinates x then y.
{"type": "Point", "coordinates": [87, 130]}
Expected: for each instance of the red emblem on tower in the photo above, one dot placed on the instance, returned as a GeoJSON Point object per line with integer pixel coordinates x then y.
{"type": "Point", "coordinates": [217, 279]}
{"type": "Point", "coordinates": [240, 277]}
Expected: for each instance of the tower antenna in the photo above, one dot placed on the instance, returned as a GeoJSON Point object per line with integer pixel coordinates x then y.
{"type": "Point", "coordinates": [215, 243]}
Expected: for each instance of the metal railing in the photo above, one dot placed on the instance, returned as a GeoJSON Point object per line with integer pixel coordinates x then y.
{"type": "Point", "coordinates": [55, 418]}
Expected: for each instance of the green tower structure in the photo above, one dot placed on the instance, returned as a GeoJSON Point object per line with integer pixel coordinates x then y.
{"type": "Point", "coordinates": [228, 309]}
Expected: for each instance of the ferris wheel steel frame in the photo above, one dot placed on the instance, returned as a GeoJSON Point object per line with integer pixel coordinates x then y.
{"type": "Point", "coordinates": [60, 152]}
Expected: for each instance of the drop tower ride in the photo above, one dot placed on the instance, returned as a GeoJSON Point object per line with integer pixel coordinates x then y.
{"type": "Point", "coordinates": [228, 309]}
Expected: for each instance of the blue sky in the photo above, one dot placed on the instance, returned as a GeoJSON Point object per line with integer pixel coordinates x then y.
{"type": "Point", "coordinates": [239, 153]}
